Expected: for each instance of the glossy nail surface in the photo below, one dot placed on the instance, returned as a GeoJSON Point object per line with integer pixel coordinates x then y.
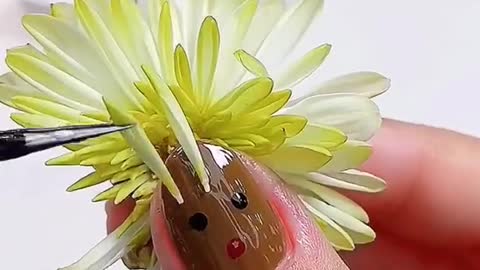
{"type": "Point", "coordinates": [232, 227]}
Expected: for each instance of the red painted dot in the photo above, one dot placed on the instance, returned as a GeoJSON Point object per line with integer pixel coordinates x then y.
{"type": "Point", "coordinates": [236, 248]}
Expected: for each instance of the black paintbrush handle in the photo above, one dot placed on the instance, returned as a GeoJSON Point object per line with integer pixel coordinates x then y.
{"type": "Point", "coordinates": [12, 145]}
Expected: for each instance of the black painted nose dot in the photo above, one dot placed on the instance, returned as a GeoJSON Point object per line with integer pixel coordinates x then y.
{"type": "Point", "coordinates": [239, 200]}
{"type": "Point", "coordinates": [198, 222]}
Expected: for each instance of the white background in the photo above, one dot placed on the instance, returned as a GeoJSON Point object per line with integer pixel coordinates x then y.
{"type": "Point", "coordinates": [429, 48]}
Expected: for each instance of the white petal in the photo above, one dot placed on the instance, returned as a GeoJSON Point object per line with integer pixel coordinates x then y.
{"type": "Point", "coordinates": [27, 63]}
{"type": "Point", "coordinates": [193, 13]}
{"type": "Point", "coordinates": [98, 31]}
{"type": "Point", "coordinates": [110, 249]}
{"type": "Point", "coordinates": [13, 79]}
{"type": "Point", "coordinates": [357, 116]}
{"type": "Point", "coordinates": [222, 10]}
{"type": "Point", "coordinates": [369, 84]}
{"type": "Point", "coordinates": [349, 180]}
{"type": "Point", "coordinates": [350, 155]}
{"type": "Point", "coordinates": [338, 237]}
{"type": "Point", "coordinates": [133, 35]}
{"type": "Point", "coordinates": [45, 75]}
{"type": "Point", "coordinates": [233, 32]}
{"type": "Point", "coordinates": [296, 72]}
{"type": "Point", "coordinates": [328, 195]}
{"type": "Point", "coordinates": [268, 14]}
{"type": "Point", "coordinates": [154, 9]}
{"type": "Point", "coordinates": [360, 237]}
{"type": "Point", "coordinates": [11, 85]}
{"type": "Point", "coordinates": [288, 31]}
{"type": "Point", "coordinates": [71, 51]}
{"type": "Point", "coordinates": [341, 218]}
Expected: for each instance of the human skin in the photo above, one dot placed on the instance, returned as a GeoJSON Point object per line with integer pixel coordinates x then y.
{"type": "Point", "coordinates": [427, 218]}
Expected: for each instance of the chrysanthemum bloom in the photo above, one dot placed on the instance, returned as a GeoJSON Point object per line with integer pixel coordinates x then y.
{"type": "Point", "coordinates": [194, 71]}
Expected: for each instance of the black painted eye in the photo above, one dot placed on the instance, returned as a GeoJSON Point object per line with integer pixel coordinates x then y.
{"type": "Point", "coordinates": [198, 222]}
{"type": "Point", "coordinates": [239, 200]}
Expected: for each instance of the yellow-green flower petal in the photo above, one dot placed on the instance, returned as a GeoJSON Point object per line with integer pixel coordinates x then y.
{"type": "Point", "coordinates": [36, 120]}
{"type": "Point", "coordinates": [109, 194]}
{"type": "Point", "coordinates": [322, 136]}
{"type": "Point", "coordinates": [350, 155]}
{"type": "Point", "coordinates": [145, 190]}
{"type": "Point", "coordinates": [297, 158]}
{"type": "Point", "coordinates": [180, 126]}
{"type": "Point", "coordinates": [252, 64]}
{"type": "Point", "coordinates": [243, 97]}
{"type": "Point", "coordinates": [90, 180]}
{"type": "Point", "coordinates": [122, 156]}
{"type": "Point", "coordinates": [182, 70]}
{"type": "Point", "coordinates": [207, 57]}
{"type": "Point", "coordinates": [39, 106]}
{"type": "Point", "coordinates": [97, 160]}
{"type": "Point", "coordinates": [139, 141]}
{"type": "Point", "coordinates": [33, 67]}
{"type": "Point", "coordinates": [63, 11]}
{"type": "Point", "coordinates": [165, 43]}
{"type": "Point", "coordinates": [130, 187]}
{"type": "Point", "coordinates": [271, 104]}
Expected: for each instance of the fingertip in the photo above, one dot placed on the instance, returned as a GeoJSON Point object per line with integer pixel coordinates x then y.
{"type": "Point", "coordinates": [396, 158]}
{"type": "Point", "coordinates": [431, 176]}
{"type": "Point", "coordinates": [163, 245]}
{"type": "Point", "coordinates": [118, 213]}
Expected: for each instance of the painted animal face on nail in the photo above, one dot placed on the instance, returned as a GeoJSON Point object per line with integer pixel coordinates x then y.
{"type": "Point", "coordinates": [232, 227]}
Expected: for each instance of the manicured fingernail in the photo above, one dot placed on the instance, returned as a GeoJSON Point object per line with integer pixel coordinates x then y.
{"type": "Point", "coordinates": [232, 227]}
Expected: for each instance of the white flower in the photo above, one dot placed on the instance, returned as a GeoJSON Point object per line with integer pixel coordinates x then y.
{"type": "Point", "coordinates": [197, 70]}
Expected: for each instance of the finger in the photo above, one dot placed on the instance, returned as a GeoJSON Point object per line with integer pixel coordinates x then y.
{"type": "Point", "coordinates": [433, 182]}
{"type": "Point", "coordinates": [118, 213]}
{"type": "Point", "coordinates": [393, 253]}
{"type": "Point", "coordinates": [306, 248]}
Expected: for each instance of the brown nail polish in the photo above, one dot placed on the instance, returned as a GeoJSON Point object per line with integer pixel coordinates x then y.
{"type": "Point", "coordinates": [232, 227]}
